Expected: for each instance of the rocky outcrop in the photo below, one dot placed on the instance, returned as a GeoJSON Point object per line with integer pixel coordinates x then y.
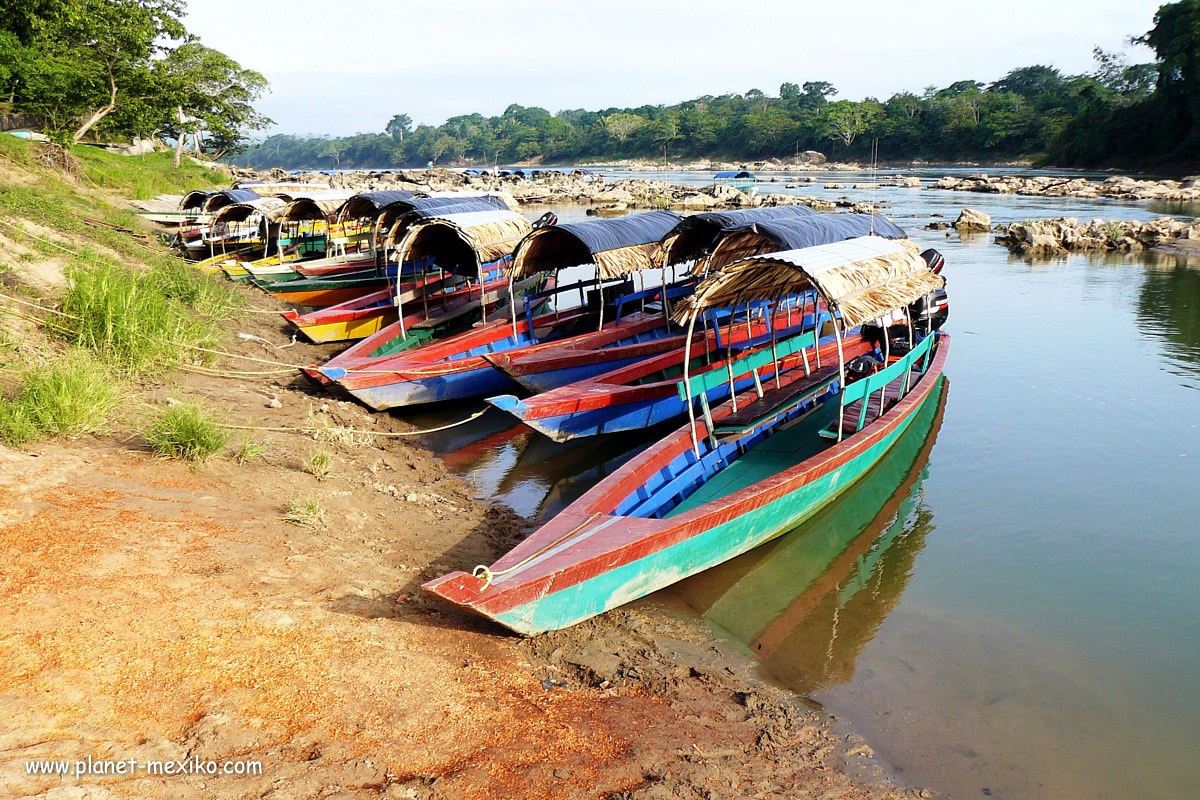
{"type": "Point", "coordinates": [1119, 187]}
{"type": "Point", "coordinates": [1066, 235]}
{"type": "Point", "coordinates": [972, 220]}
{"type": "Point", "coordinates": [553, 187]}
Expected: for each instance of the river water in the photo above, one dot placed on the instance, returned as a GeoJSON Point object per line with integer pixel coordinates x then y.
{"type": "Point", "coordinates": [1007, 606]}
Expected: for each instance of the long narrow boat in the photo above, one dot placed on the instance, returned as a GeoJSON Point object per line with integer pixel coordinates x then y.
{"type": "Point", "coordinates": [457, 367]}
{"type": "Point", "coordinates": [742, 473]}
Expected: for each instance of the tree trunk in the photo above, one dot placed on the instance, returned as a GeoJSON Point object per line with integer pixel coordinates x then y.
{"type": "Point", "coordinates": [179, 137]}
{"type": "Point", "coordinates": [101, 112]}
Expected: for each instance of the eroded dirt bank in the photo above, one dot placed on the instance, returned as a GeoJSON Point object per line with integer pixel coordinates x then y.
{"type": "Point", "coordinates": [149, 610]}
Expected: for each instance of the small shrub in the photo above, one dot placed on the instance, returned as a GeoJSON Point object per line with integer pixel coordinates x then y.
{"type": "Point", "coordinates": [16, 428]}
{"type": "Point", "coordinates": [127, 318]}
{"type": "Point", "coordinates": [307, 513]}
{"type": "Point", "coordinates": [249, 450]}
{"type": "Point", "coordinates": [319, 464]}
{"type": "Point", "coordinates": [178, 280]}
{"type": "Point", "coordinates": [186, 431]}
{"type": "Point", "coordinates": [70, 398]}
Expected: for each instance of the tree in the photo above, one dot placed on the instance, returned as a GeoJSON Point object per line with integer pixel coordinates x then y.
{"type": "Point", "coordinates": [1030, 82]}
{"type": "Point", "coordinates": [1175, 38]}
{"type": "Point", "coordinates": [789, 92]}
{"type": "Point", "coordinates": [334, 149]}
{"type": "Point", "coordinates": [846, 120]}
{"type": "Point", "coordinates": [817, 93]}
{"type": "Point", "coordinates": [399, 125]}
{"type": "Point", "coordinates": [621, 126]}
{"type": "Point", "coordinates": [108, 45]}
{"type": "Point", "coordinates": [211, 96]}
{"type": "Point", "coordinates": [665, 130]}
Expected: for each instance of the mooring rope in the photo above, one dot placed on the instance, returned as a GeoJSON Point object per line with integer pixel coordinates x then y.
{"type": "Point", "coordinates": [358, 432]}
{"type": "Point", "coordinates": [487, 575]}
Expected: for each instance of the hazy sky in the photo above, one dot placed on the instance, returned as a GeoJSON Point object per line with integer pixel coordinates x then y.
{"type": "Point", "coordinates": [346, 66]}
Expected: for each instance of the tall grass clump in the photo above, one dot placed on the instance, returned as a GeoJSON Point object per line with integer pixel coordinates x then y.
{"type": "Point", "coordinates": [186, 431]}
{"type": "Point", "coordinates": [72, 397]}
{"type": "Point", "coordinates": [16, 428]}
{"type": "Point", "coordinates": [178, 280]}
{"type": "Point", "coordinates": [130, 318]}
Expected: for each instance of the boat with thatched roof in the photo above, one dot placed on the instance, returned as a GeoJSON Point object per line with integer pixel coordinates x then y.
{"type": "Point", "coordinates": [457, 367]}
{"type": "Point", "coordinates": [689, 242]}
{"type": "Point", "coordinates": [738, 474]}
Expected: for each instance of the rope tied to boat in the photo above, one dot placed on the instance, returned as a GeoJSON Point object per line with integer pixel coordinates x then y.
{"type": "Point", "coordinates": [486, 574]}
{"type": "Point", "coordinates": [356, 431]}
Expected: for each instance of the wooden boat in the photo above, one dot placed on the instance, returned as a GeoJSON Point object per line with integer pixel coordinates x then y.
{"type": "Point", "coordinates": [457, 367]}
{"type": "Point", "coordinates": [743, 472]}
{"type": "Point", "coordinates": [321, 292]}
{"type": "Point", "coordinates": [366, 315]}
{"type": "Point", "coordinates": [610, 390]}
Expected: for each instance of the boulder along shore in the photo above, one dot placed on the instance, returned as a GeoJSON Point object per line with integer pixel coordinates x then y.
{"type": "Point", "coordinates": [1068, 235]}
{"type": "Point", "coordinates": [1118, 187]}
{"type": "Point", "coordinates": [606, 196]}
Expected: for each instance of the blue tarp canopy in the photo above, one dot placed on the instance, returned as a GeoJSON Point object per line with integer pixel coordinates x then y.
{"type": "Point", "coordinates": [418, 208]}
{"type": "Point", "coordinates": [792, 234]}
{"type": "Point", "coordinates": [826, 229]}
{"type": "Point", "coordinates": [616, 246]}
{"type": "Point", "coordinates": [228, 197]}
{"type": "Point", "coordinates": [696, 235]}
{"type": "Point", "coordinates": [367, 204]}
{"type": "Point", "coordinates": [733, 173]}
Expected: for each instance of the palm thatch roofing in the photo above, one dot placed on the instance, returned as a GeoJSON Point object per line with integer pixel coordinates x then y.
{"type": "Point", "coordinates": [617, 247]}
{"type": "Point", "coordinates": [267, 207]}
{"type": "Point", "coordinates": [368, 204]}
{"type": "Point", "coordinates": [696, 234]}
{"type": "Point", "coordinates": [862, 279]}
{"type": "Point", "coordinates": [227, 197]}
{"type": "Point", "coordinates": [463, 242]}
{"type": "Point", "coordinates": [195, 199]}
{"type": "Point", "coordinates": [316, 205]}
{"type": "Point", "coordinates": [771, 236]}
{"type": "Point", "coordinates": [280, 188]}
{"type": "Point", "coordinates": [399, 215]}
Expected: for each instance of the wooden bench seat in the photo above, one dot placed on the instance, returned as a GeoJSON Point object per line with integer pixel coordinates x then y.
{"type": "Point", "coordinates": [777, 401]}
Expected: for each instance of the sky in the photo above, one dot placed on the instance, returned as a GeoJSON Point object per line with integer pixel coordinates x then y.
{"type": "Point", "coordinates": [346, 66]}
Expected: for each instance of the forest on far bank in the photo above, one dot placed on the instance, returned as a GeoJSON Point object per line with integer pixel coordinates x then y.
{"type": "Point", "coordinates": [1121, 114]}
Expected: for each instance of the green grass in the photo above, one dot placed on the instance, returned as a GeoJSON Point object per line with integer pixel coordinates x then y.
{"type": "Point", "coordinates": [141, 322]}
{"type": "Point", "coordinates": [319, 464]}
{"type": "Point", "coordinates": [249, 451]}
{"type": "Point", "coordinates": [186, 431]}
{"type": "Point", "coordinates": [305, 512]}
{"type": "Point", "coordinates": [143, 177]}
{"type": "Point", "coordinates": [72, 397]}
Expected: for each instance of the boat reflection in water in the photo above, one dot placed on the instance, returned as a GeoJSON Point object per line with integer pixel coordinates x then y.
{"type": "Point", "coordinates": [511, 463]}
{"type": "Point", "coordinates": [807, 603]}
